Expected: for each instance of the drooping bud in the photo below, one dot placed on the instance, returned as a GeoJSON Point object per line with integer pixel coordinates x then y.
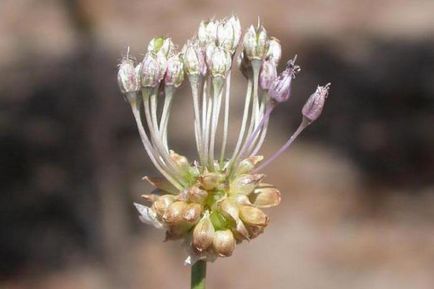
{"type": "Point", "coordinates": [220, 62]}
{"type": "Point", "coordinates": [224, 243]}
{"type": "Point", "coordinates": [274, 52]}
{"type": "Point", "coordinates": [162, 204]}
{"type": "Point", "coordinates": [314, 105]}
{"type": "Point", "coordinates": [194, 59]}
{"type": "Point", "coordinates": [203, 234]}
{"type": "Point", "coordinates": [161, 45]}
{"type": "Point", "coordinates": [207, 32]}
{"type": "Point", "coordinates": [211, 180]}
{"type": "Point", "coordinates": [268, 74]}
{"type": "Point", "coordinates": [127, 77]}
{"type": "Point", "coordinates": [192, 213]}
{"type": "Point", "coordinates": [255, 42]}
{"type": "Point", "coordinates": [248, 164]}
{"type": "Point", "coordinates": [175, 71]}
{"type": "Point", "coordinates": [153, 69]}
{"type": "Point", "coordinates": [229, 33]}
{"type": "Point", "coordinates": [175, 213]}
{"type": "Point", "coordinates": [253, 216]}
{"type": "Point", "coordinates": [266, 197]}
{"type": "Point", "coordinates": [280, 89]}
{"type": "Point", "coordinates": [245, 184]}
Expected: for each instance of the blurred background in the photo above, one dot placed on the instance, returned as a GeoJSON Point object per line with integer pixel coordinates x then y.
{"type": "Point", "coordinates": [358, 186]}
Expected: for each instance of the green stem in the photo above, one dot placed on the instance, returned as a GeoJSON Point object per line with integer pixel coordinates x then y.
{"type": "Point", "coordinates": [198, 275]}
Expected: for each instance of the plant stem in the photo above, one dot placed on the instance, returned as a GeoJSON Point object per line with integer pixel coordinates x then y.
{"type": "Point", "coordinates": [198, 275]}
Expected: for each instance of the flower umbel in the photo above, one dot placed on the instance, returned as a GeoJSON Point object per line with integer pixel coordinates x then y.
{"type": "Point", "coordinates": [216, 202]}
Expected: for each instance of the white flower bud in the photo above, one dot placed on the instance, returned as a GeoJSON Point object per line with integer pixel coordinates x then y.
{"type": "Point", "coordinates": [207, 32]}
{"type": "Point", "coordinates": [229, 33]}
{"type": "Point", "coordinates": [220, 62]}
{"type": "Point", "coordinates": [127, 77]}
{"type": "Point", "coordinates": [255, 42]}
{"type": "Point", "coordinates": [152, 69]}
{"type": "Point", "coordinates": [161, 45]}
{"type": "Point", "coordinates": [175, 71]}
{"type": "Point", "coordinates": [194, 59]}
{"type": "Point", "coordinates": [274, 52]}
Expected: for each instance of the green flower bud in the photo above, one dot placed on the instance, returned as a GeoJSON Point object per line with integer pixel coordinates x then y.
{"type": "Point", "coordinates": [224, 243]}
{"type": "Point", "coordinates": [161, 45]}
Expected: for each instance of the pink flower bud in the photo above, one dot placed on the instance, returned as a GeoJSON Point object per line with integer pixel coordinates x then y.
{"type": "Point", "coordinates": [280, 89]}
{"type": "Point", "coordinates": [268, 74]}
{"type": "Point", "coordinates": [175, 71]}
{"type": "Point", "coordinates": [314, 105]}
{"type": "Point", "coordinates": [127, 78]}
{"type": "Point", "coordinates": [152, 69]}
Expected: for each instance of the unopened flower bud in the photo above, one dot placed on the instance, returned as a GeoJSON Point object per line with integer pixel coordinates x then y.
{"type": "Point", "coordinates": [224, 243]}
{"type": "Point", "coordinates": [248, 164]}
{"type": "Point", "coordinates": [161, 45]}
{"type": "Point", "coordinates": [210, 180]}
{"type": "Point", "coordinates": [207, 32]}
{"type": "Point", "coordinates": [152, 70]}
{"type": "Point", "coordinates": [194, 59]}
{"type": "Point", "coordinates": [266, 197]}
{"type": "Point", "coordinates": [280, 89]}
{"type": "Point", "coordinates": [245, 184]}
{"type": "Point", "coordinates": [253, 216]}
{"type": "Point", "coordinates": [229, 33]}
{"type": "Point", "coordinates": [255, 42]}
{"type": "Point", "coordinates": [162, 204]}
{"type": "Point", "coordinates": [274, 52]}
{"type": "Point", "coordinates": [175, 213]}
{"type": "Point", "coordinates": [192, 213]}
{"type": "Point", "coordinates": [314, 105]}
{"type": "Point", "coordinates": [203, 234]}
{"type": "Point", "coordinates": [175, 71]}
{"type": "Point", "coordinates": [268, 74]}
{"type": "Point", "coordinates": [127, 77]}
{"type": "Point", "coordinates": [220, 62]}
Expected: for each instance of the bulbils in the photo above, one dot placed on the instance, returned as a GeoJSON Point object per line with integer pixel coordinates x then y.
{"type": "Point", "coordinates": [128, 80]}
{"type": "Point", "coordinates": [203, 234]}
{"type": "Point", "coordinates": [224, 243]}
{"type": "Point", "coordinates": [280, 89]}
{"type": "Point", "coordinates": [255, 42]}
{"type": "Point", "coordinates": [314, 105]}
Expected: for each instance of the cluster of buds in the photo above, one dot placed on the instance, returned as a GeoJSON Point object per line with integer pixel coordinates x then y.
{"type": "Point", "coordinates": [216, 202]}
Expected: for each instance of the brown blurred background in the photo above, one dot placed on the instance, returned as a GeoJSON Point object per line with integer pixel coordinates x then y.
{"type": "Point", "coordinates": [358, 207]}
